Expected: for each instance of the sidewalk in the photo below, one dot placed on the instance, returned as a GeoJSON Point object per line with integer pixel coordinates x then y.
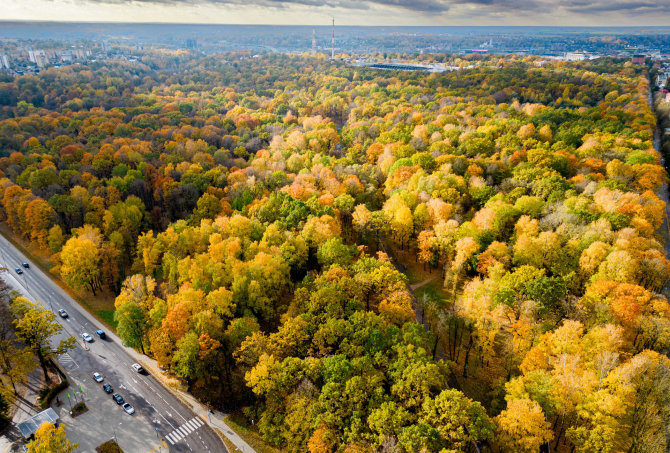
{"type": "Point", "coordinates": [26, 408]}
{"type": "Point", "coordinates": [214, 419]}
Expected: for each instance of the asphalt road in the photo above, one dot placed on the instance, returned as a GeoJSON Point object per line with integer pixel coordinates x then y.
{"type": "Point", "coordinates": [155, 406]}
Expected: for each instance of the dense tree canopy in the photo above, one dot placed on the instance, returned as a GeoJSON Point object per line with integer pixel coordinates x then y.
{"type": "Point", "coordinates": [248, 213]}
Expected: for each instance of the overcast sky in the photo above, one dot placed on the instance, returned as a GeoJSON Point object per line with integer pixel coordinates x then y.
{"type": "Point", "coordinates": [348, 12]}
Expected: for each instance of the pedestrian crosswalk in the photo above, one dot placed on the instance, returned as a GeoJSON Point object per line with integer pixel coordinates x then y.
{"type": "Point", "coordinates": [184, 430]}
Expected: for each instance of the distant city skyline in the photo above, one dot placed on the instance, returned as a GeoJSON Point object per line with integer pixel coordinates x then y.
{"type": "Point", "coordinates": [349, 12]}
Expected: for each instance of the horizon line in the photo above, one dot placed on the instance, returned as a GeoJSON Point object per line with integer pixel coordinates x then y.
{"type": "Point", "coordinates": [42, 21]}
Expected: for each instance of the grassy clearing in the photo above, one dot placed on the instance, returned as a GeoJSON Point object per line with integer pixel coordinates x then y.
{"type": "Point", "coordinates": [107, 317]}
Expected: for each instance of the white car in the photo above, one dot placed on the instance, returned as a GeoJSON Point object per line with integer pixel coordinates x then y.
{"type": "Point", "coordinates": [98, 377]}
{"type": "Point", "coordinates": [130, 410]}
{"type": "Point", "coordinates": [86, 337]}
{"type": "Point", "coordinates": [137, 367]}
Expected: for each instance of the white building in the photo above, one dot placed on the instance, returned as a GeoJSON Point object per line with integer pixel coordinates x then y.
{"type": "Point", "coordinates": [575, 56]}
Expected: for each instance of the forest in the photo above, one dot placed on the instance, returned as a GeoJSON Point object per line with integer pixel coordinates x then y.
{"type": "Point", "coordinates": [262, 223]}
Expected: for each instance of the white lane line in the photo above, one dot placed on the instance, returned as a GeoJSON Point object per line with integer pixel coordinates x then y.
{"type": "Point", "coordinates": [166, 420]}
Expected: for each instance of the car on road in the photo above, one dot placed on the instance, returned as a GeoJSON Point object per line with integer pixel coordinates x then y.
{"type": "Point", "coordinates": [26, 265]}
{"type": "Point", "coordinates": [18, 270]}
{"type": "Point", "coordinates": [108, 388]}
{"type": "Point", "coordinates": [137, 367]}
{"type": "Point", "coordinates": [62, 313]}
{"type": "Point", "coordinates": [130, 410]}
{"type": "Point", "coordinates": [118, 398]}
{"type": "Point", "coordinates": [87, 337]}
{"type": "Point", "coordinates": [101, 334]}
{"type": "Point", "coordinates": [98, 377]}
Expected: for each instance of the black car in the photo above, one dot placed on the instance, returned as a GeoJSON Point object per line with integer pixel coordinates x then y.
{"type": "Point", "coordinates": [26, 265]}
{"type": "Point", "coordinates": [118, 398]}
{"type": "Point", "coordinates": [108, 388]}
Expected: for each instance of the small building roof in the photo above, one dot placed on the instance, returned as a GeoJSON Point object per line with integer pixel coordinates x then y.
{"type": "Point", "coordinates": [29, 427]}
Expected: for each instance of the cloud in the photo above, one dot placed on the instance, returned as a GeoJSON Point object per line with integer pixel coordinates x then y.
{"type": "Point", "coordinates": [412, 5]}
{"type": "Point", "coordinates": [431, 7]}
{"type": "Point", "coordinates": [605, 6]}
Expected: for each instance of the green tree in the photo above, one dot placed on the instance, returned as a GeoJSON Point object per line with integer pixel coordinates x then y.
{"type": "Point", "coordinates": [34, 327]}
{"type": "Point", "coordinates": [55, 239]}
{"type": "Point", "coordinates": [132, 325]}
{"type": "Point", "coordinates": [458, 420]}
{"type": "Point", "coordinates": [186, 357]}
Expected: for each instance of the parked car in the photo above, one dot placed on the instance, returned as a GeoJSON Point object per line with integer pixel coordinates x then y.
{"type": "Point", "coordinates": [129, 409]}
{"type": "Point", "coordinates": [118, 398]}
{"type": "Point", "coordinates": [108, 388]}
{"type": "Point", "coordinates": [137, 367]}
{"type": "Point", "coordinates": [18, 270]}
{"type": "Point", "coordinates": [101, 334]}
{"type": "Point", "coordinates": [98, 377]}
{"type": "Point", "coordinates": [87, 337]}
{"type": "Point", "coordinates": [26, 265]}
{"type": "Point", "coordinates": [62, 313]}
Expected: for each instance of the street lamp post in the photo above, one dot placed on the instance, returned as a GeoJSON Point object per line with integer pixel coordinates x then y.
{"type": "Point", "coordinates": [115, 440]}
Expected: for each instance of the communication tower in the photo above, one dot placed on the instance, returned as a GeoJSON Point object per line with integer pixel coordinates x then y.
{"type": "Point", "coordinates": [313, 40]}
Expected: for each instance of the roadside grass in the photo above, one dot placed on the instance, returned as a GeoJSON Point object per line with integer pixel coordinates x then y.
{"type": "Point", "coordinates": [229, 445]}
{"type": "Point", "coordinates": [248, 433]}
{"type": "Point", "coordinates": [107, 317]}
{"type": "Point", "coordinates": [97, 305]}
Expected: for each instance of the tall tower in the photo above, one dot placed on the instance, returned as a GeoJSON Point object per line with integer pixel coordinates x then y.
{"type": "Point", "coordinates": [313, 40]}
{"type": "Point", "coordinates": [332, 42]}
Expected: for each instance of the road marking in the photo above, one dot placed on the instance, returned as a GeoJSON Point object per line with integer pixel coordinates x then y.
{"type": "Point", "coordinates": [166, 420]}
{"type": "Point", "coordinates": [67, 361]}
{"type": "Point", "coordinates": [182, 431]}
{"type": "Point", "coordinates": [176, 435]}
{"type": "Point", "coordinates": [198, 422]}
{"type": "Point", "coordinates": [169, 438]}
{"type": "Point", "coordinates": [190, 424]}
{"type": "Point", "coordinates": [186, 428]}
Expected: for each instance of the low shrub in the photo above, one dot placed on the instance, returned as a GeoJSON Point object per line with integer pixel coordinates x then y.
{"type": "Point", "coordinates": [47, 395]}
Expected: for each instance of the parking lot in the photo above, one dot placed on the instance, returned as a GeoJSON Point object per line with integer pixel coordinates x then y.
{"type": "Point", "coordinates": [105, 419]}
